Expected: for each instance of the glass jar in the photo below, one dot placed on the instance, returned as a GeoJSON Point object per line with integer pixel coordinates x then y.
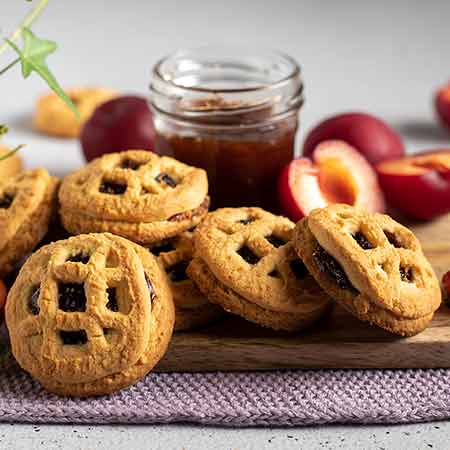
{"type": "Point", "coordinates": [233, 112]}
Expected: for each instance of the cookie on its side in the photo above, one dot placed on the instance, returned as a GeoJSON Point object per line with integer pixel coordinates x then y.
{"type": "Point", "coordinates": [90, 315]}
{"type": "Point", "coordinates": [245, 263]}
{"type": "Point", "coordinates": [370, 264]}
{"type": "Point", "coordinates": [27, 205]}
{"type": "Point", "coordinates": [192, 308]}
{"type": "Point", "coordinates": [55, 118]}
{"type": "Point", "coordinates": [135, 194]}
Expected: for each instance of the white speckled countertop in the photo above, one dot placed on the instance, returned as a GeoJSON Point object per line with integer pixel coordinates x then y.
{"type": "Point", "coordinates": [382, 57]}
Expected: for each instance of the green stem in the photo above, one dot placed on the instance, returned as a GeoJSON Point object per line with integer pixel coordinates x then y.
{"type": "Point", "coordinates": [27, 21]}
{"type": "Point", "coordinates": [11, 64]}
{"type": "Point", "coordinates": [10, 153]}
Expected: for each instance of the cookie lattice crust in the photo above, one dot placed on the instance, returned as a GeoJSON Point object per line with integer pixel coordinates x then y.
{"type": "Point", "coordinates": [134, 186]}
{"type": "Point", "coordinates": [381, 258]}
{"type": "Point", "coordinates": [80, 310]}
{"type": "Point", "coordinates": [371, 265]}
{"type": "Point", "coordinates": [20, 198]}
{"type": "Point", "coordinates": [249, 251]}
{"type": "Point", "coordinates": [27, 205]}
{"type": "Point", "coordinates": [192, 307]}
{"type": "Point", "coordinates": [174, 255]}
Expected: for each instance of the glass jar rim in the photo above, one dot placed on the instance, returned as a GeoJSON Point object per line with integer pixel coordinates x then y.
{"type": "Point", "coordinates": [294, 72]}
{"type": "Point", "coordinates": [226, 128]}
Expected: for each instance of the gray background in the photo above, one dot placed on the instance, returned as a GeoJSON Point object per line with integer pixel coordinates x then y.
{"type": "Point", "coordinates": [383, 57]}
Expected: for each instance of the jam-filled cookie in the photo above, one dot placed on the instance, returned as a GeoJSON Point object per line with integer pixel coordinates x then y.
{"type": "Point", "coordinates": [89, 315]}
{"type": "Point", "coordinates": [135, 194]}
{"type": "Point", "coordinates": [373, 266]}
{"type": "Point", "coordinates": [244, 262]}
{"type": "Point", "coordinates": [9, 166]}
{"type": "Point", "coordinates": [192, 308]}
{"type": "Point", "coordinates": [54, 117]}
{"type": "Point", "coordinates": [27, 205]}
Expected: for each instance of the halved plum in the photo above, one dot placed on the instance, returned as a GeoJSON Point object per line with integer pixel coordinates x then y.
{"type": "Point", "coordinates": [336, 173]}
{"type": "Point", "coordinates": [419, 185]}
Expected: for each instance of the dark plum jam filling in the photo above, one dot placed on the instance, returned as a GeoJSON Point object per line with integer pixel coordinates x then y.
{"type": "Point", "coordinates": [327, 264]}
{"type": "Point", "coordinates": [71, 297]}
{"type": "Point", "coordinates": [406, 274]}
{"type": "Point", "coordinates": [130, 164]}
{"type": "Point", "coordinates": [79, 258]}
{"type": "Point", "coordinates": [275, 241]}
{"type": "Point", "coordinates": [246, 221]}
{"type": "Point", "coordinates": [33, 301]}
{"type": "Point", "coordinates": [362, 241]}
{"type": "Point", "coordinates": [78, 337]}
{"type": "Point", "coordinates": [6, 201]}
{"type": "Point", "coordinates": [247, 255]}
{"type": "Point", "coordinates": [111, 188]}
{"type": "Point", "coordinates": [166, 179]}
{"type": "Point", "coordinates": [112, 304]}
{"type": "Point", "coordinates": [151, 289]}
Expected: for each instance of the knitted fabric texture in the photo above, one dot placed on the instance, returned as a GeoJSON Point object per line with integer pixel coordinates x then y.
{"type": "Point", "coordinates": [241, 398]}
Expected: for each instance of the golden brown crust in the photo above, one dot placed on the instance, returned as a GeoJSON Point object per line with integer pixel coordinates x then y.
{"type": "Point", "coordinates": [271, 282]}
{"type": "Point", "coordinates": [144, 233]}
{"type": "Point", "coordinates": [24, 223]}
{"type": "Point", "coordinates": [161, 328]}
{"type": "Point", "coordinates": [10, 166]}
{"type": "Point", "coordinates": [234, 303]}
{"type": "Point", "coordinates": [192, 308]}
{"type": "Point", "coordinates": [38, 314]}
{"type": "Point", "coordinates": [376, 272]}
{"type": "Point", "coordinates": [154, 188]}
{"type": "Point", "coordinates": [248, 251]}
{"type": "Point", "coordinates": [395, 315]}
{"type": "Point", "coordinates": [54, 117]}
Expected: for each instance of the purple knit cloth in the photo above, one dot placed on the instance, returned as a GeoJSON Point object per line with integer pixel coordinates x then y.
{"type": "Point", "coordinates": [241, 398]}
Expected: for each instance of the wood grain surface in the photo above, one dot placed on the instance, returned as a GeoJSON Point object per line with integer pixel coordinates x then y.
{"type": "Point", "coordinates": [337, 341]}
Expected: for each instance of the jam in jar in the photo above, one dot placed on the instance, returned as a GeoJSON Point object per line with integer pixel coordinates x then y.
{"type": "Point", "coordinates": [232, 112]}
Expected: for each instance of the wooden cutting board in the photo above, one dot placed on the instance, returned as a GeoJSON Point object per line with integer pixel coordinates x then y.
{"type": "Point", "coordinates": [337, 341]}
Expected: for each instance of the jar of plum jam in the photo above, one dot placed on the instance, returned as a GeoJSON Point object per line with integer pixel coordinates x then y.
{"type": "Point", "coordinates": [233, 112]}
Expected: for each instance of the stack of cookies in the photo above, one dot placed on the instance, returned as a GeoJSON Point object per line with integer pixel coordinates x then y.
{"type": "Point", "coordinates": [151, 201]}
{"type": "Point", "coordinates": [28, 202]}
{"type": "Point", "coordinates": [245, 262]}
{"type": "Point", "coordinates": [134, 194]}
{"type": "Point", "coordinates": [93, 313]}
{"type": "Point", "coordinates": [90, 315]}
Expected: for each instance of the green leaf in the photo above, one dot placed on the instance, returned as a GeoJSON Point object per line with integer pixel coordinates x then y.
{"type": "Point", "coordinates": [33, 59]}
{"type": "Point", "coordinates": [3, 130]}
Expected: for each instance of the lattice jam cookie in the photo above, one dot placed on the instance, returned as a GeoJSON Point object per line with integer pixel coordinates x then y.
{"type": "Point", "coordinates": [54, 117]}
{"type": "Point", "coordinates": [134, 194]}
{"type": "Point", "coordinates": [27, 205]}
{"type": "Point", "coordinates": [83, 311]}
{"type": "Point", "coordinates": [192, 308]}
{"type": "Point", "coordinates": [371, 265]}
{"type": "Point", "coordinates": [244, 262]}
